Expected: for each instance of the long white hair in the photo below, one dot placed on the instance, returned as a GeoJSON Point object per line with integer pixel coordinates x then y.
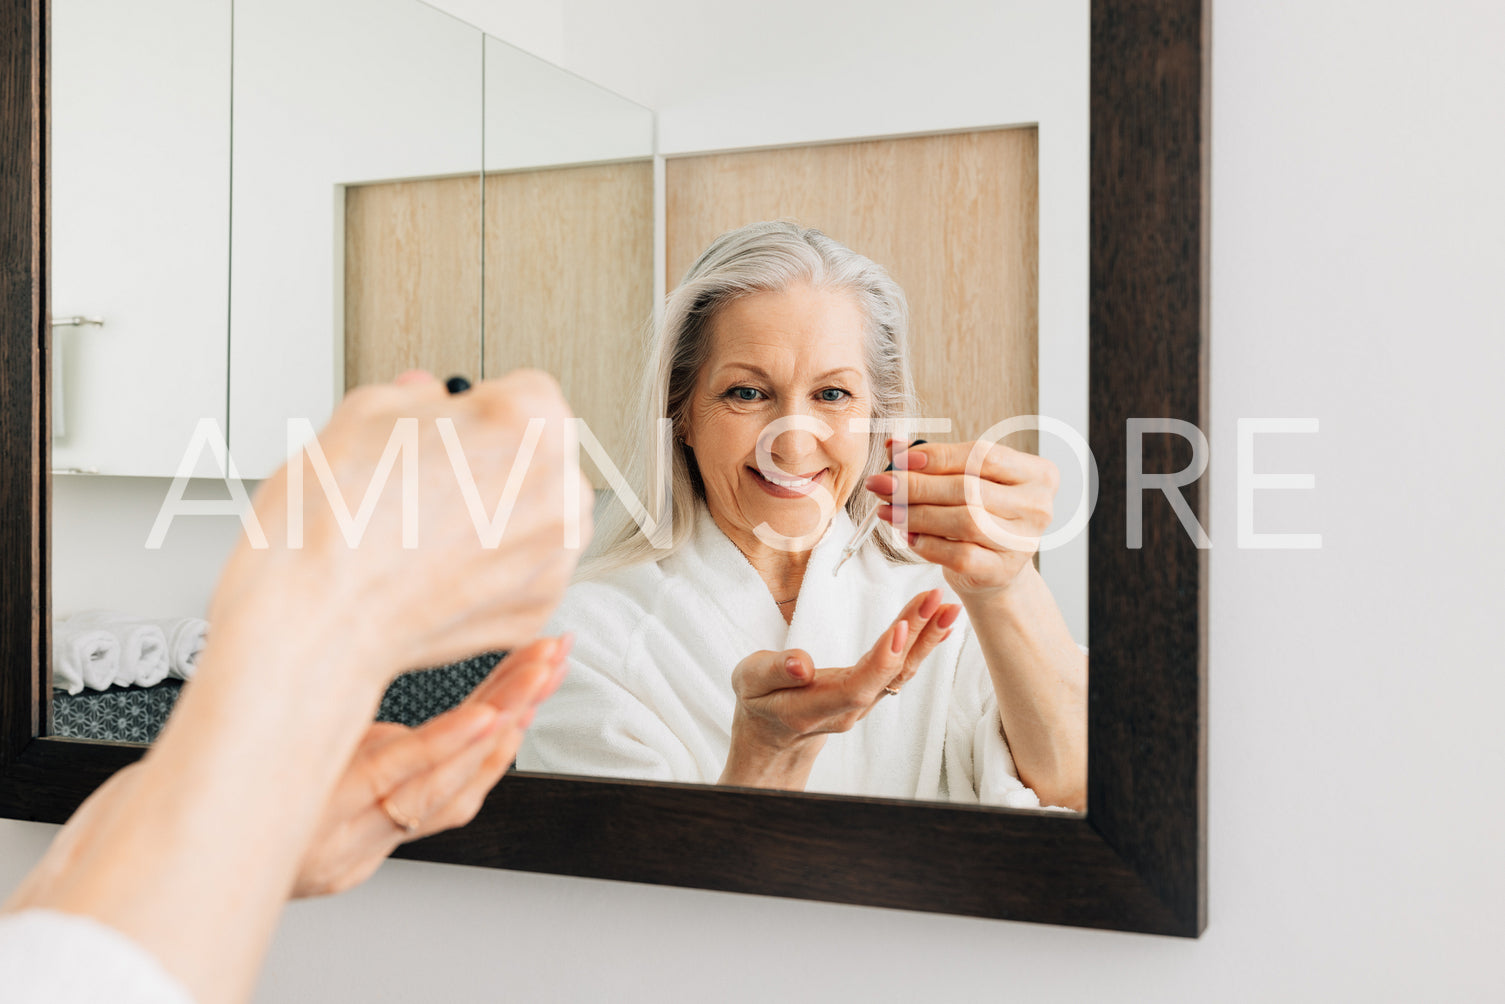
{"type": "Point", "coordinates": [757, 258]}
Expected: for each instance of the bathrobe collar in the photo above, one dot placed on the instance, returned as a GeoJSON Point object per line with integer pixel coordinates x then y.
{"type": "Point", "coordinates": [736, 588]}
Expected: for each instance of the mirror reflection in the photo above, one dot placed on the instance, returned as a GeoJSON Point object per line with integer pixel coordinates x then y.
{"type": "Point", "coordinates": [395, 190]}
{"type": "Point", "coordinates": [735, 645]}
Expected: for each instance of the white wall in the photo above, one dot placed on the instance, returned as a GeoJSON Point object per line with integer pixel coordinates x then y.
{"type": "Point", "coordinates": [1356, 756]}
{"type": "Point", "coordinates": [100, 527]}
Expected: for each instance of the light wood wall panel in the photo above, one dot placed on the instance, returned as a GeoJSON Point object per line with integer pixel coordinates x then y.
{"type": "Point", "coordinates": [569, 285]}
{"type": "Point", "coordinates": [412, 279]}
{"type": "Point", "coordinates": [954, 218]}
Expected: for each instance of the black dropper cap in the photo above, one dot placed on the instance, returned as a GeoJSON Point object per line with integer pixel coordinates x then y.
{"type": "Point", "coordinates": [917, 442]}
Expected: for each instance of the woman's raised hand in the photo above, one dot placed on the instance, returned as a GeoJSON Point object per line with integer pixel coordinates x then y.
{"type": "Point", "coordinates": [435, 575]}
{"type": "Point", "coordinates": [405, 783]}
{"type": "Point", "coordinates": [786, 706]}
{"type": "Point", "coordinates": [981, 542]}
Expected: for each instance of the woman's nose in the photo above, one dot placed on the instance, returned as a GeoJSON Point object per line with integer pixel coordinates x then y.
{"type": "Point", "coordinates": [795, 445]}
{"type": "Point", "coordinates": [792, 437]}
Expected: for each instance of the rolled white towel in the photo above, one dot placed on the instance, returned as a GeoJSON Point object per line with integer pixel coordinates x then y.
{"type": "Point", "coordinates": [143, 645]}
{"type": "Point", "coordinates": [83, 657]}
{"type": "Point", "coordinates": [185, 640]}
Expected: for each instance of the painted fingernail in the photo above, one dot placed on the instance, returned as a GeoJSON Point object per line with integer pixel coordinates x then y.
{"type": "Point", "coordinates": [929, 604]}
{"type": "Point", "coordinates": [912, 538]}
{"type": "Point", "coordinates": [949, 616]}
{"type": "Point", "coordinates": [881, 484]}
{"type": "Point", "coordinates": [901, 634]}
{"type": "Point", "coordinates": [564, 644]}
{"type": "Point", "coordinates": [794, 667]}
{"type": "Point", "coordinates": [914, 460]}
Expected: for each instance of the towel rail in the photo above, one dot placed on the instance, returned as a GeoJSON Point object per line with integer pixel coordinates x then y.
{"type": "Point", "coordinates": [59, 413]}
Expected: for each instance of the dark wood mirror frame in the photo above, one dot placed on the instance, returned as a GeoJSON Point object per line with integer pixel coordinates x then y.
{"type": "Point", "coordinates": [1135, 862]}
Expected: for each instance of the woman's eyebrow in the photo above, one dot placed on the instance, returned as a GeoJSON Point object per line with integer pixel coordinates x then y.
{"type": "Point", "coordinates": [759, 372]}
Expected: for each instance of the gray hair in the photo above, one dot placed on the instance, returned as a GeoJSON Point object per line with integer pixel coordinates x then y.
{"type": "Point", "coordinates": [757, 258]}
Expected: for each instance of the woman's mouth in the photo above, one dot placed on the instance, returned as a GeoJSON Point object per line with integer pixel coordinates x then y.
{"type": "Point", "coordinates": [785, 487]}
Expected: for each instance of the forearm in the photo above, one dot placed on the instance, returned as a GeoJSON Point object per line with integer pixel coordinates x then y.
{"type": "Point", "coordinates": [1040, 678]}
{"type": "Point", "coordinates": [197, 857]}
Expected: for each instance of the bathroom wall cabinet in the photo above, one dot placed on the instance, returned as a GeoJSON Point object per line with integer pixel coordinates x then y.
{"type": "Point", "coordinates": [140, 230]}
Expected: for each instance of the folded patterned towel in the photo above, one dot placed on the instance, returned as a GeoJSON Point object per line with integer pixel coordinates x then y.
{"type": "Point", "coordinates": [185, 640]}
{"type": "Point", "coordinates": [143, 646]}
{"type": "Point", "coordinates": [83, 657]}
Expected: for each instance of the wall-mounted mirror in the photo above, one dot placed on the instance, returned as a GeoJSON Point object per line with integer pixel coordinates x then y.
{"type": "Point", "coordinates": [324, 194]}
{"type": "Point", "coordinates": [419, 195]}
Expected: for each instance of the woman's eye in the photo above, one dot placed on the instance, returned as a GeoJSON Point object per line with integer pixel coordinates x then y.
{"type": "Point", "coordinates": [831, 395]}
{"type": "Point", "coordinates": [744, 393]}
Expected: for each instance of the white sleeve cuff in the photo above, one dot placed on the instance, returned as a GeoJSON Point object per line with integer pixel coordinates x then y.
{"type": "Point", "coordinates": [65, 958]}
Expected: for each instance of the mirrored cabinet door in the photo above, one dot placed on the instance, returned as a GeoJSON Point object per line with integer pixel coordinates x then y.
{"type": "Point", "coordinates": [259, 234]}
{"type": "Point", "coordinates": [570, 223]}
{"type": "Point", "coordinates": [357, 209]}
{"type": "Point", "coordinates": [140, 159]}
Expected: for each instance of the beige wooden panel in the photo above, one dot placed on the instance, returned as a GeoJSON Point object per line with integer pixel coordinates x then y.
{"type": "Point", "coordinates": [412, 279]}
{"type": "Point", "coordinates": [954, 218]}
{"type": "Point", "coordinates": [569, 285]}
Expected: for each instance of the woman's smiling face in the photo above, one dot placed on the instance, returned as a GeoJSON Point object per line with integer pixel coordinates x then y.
{"type": "Point", "coordinates": [796, 353]}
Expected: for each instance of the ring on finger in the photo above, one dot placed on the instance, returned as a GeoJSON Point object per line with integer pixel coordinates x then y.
{"type": "Point", "coordinates": [891, 691]}
{"type": "Point", "coordinates": [407, 824]}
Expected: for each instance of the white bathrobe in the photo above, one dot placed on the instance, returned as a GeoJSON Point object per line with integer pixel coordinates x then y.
{"type": "Point", "coordinates": [649, 693]}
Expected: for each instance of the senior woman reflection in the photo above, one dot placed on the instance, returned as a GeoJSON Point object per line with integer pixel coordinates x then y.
{"type": "Point", "coordinates": [732, 654]}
